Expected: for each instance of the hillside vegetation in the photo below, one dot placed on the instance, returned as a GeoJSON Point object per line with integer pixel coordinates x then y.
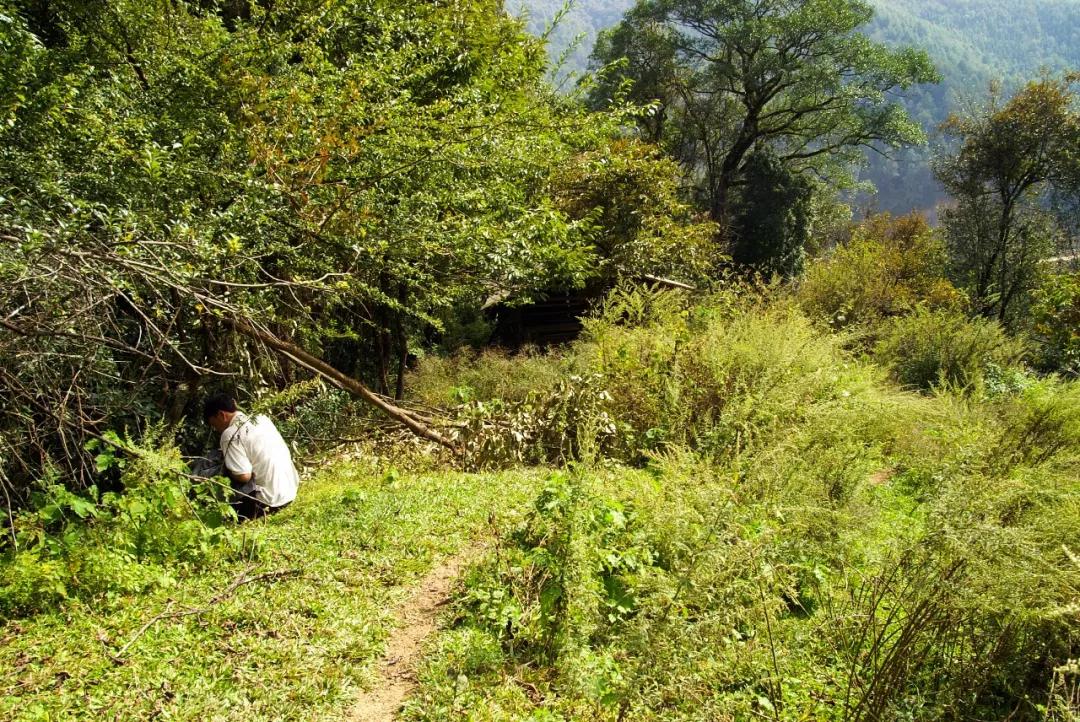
{"type": "Point", "coordinates": [751, 519]}
{"type": "Point", "coordinates": [797, 537]}
{"type": "Point", "coordinates": [985, 39]}
{"type": "Point", "coordinates": [972, 42]}
{"type": "Point", "coordinates": [795, 466]}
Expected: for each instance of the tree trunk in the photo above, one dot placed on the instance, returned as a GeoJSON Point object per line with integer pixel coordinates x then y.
{"type": "Point", "coordinates": [402, 344]}
{"type": "Point", "coordinates": [403, 359]}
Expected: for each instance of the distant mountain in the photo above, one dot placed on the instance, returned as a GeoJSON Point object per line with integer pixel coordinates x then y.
{"type": "Point", "coordinates": [972, 42]}
{"type": "Point", "coordinates": [584, 21]}
{"type": "Point", "coordinates": [983, 39]}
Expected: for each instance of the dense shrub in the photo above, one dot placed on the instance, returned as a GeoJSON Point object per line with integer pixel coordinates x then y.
{"type": "Point", "coordinates": [1055, 319]}
{"type": "Point", "coordinates": [1041, 423]}
{"type": "Point", "coordinates": [931, 349]}
{"type": "Point", "coordinates": [887, 268]}
{"type": "Point", "coordinates": [718, 376]}
{"type": "Point", "coordinates": [100, 545]}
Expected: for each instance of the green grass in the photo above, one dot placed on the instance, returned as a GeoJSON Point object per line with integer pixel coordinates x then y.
{"type": "Point", "coordinates": [296, 647]}
{"type": "Point", "coordinates": [795, 537]}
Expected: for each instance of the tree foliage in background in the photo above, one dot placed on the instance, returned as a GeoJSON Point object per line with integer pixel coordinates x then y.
{"type": "Point", "coordinates": [1055, 316]}
{"type": "Point", "coordinates": [726, 78]}
{"type": "Point", "coordinates": [775, 216]}
{"type": "Point", "coordinates": [340, 174]}
{"type": "Point", "coordinates": [1011, 155]}
{"type": "Point", "coordinates": [972, 43]}
{"type": "Point", "coordinates": [630, 193]}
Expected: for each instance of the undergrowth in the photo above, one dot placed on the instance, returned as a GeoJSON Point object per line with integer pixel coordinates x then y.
{"type": "Point", "coordinates": [96, 546]}
{"type": "Point", "coordinates": [750, 516]}
{"type": "Point", "coordinates": [797, 537]}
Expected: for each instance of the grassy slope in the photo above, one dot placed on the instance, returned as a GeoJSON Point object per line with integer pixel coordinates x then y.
{"type": "Point", "coordinates": [827, 501]}
{"type": "Point", "coordinates": [292, 648]}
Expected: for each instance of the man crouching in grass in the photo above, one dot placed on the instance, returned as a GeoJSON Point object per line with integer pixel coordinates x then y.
{"type": "Point", "coordinates": [257, 459]}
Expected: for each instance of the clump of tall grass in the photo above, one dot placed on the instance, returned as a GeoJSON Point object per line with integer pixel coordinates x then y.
{"type": "Point", "coordinates": [653, 371]}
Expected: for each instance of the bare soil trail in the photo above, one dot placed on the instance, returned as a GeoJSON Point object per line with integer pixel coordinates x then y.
{"type": "Point", "coordinates": [417, 618]}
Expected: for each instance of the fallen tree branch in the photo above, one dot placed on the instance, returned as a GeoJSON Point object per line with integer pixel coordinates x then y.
{"type": "Point", "coordinates": [238, 581]}
{"type": "Point", "coordinates": [658, 280]}
{"type": "Point", "coordinates": [346, 383]}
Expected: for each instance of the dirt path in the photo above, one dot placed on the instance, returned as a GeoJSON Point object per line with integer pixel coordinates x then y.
{"type": "Point", "coordinates": [417, 618]}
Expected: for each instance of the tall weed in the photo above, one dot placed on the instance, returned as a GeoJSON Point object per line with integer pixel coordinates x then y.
{"type": "Point", "coordinates": [941, 349]}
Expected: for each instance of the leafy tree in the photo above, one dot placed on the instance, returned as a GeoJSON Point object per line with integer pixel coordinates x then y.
{"type": "Point", "coordinates": [889, 267]}
{"type": "Point", "coordinates": [342, 175]}
{"type": "Point", "coordinates": [1010, 156]}
{"type": "Point", "coordinates": [1056, 322]}
{"type": "Point", "coordinates": [630, 192]}
{"type": "Point", "coordinates": [726, 77]}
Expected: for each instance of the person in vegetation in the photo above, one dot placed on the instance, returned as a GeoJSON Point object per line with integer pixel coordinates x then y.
{"type": "Point", "coordinates": [257, 459]}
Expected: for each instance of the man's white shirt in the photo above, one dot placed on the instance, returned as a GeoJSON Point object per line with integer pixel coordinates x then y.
{"type": "Point", "coordinates": [254, 446]}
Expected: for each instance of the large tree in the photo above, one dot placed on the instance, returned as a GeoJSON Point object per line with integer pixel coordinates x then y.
{"type": "Point", "coordinates": [1011, 158]}
{"type": "Point", "coordinates": [726, 77]}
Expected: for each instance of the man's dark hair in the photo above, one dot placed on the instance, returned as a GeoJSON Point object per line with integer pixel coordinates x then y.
{"type": "Point", "coordinates": [218, 402]}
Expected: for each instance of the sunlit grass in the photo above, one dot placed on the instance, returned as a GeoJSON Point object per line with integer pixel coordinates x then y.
{"type": "Point", "coordinates": [297, 647]}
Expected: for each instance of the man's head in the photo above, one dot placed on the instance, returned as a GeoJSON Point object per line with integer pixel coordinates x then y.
{"type": "Point", "coordinates": [218, 410]}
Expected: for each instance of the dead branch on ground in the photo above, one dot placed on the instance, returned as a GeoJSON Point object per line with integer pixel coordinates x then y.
{"type": "Point", "coordinates": [238, 581]}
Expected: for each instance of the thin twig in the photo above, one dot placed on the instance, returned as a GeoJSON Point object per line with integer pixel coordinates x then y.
{"type": "Point", "coordinates": [238, 581]}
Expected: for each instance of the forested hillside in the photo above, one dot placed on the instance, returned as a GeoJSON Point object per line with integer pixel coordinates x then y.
{"type": "Point", "coordinates": [973, 43]}
{"type": "Point", "coordinates": [968, 39]}
{"type": "Point", "coordinates": [986, 38]}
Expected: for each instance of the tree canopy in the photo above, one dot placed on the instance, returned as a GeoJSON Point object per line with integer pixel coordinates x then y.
{"type": "Point", "coordinates": [342, 175]}
{"type": "Point", "coordinates": [800, 79]}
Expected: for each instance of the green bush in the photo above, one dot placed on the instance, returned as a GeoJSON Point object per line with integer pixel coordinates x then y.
{"type": "Point", "coordinates": [98, 546]}
{"type": "Point", "coordinates": [1041, 423]}
{"type": "Point", "coordinates": [1055, 317]}
{"type": "Point", "coordinates": [718, 376]}
{"type": "Point", "coordinates": [651, 373]}
{"type": "Point", "coordinates": [888, 267]}
{"type": "Point", "coordinates": [935, 349]}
